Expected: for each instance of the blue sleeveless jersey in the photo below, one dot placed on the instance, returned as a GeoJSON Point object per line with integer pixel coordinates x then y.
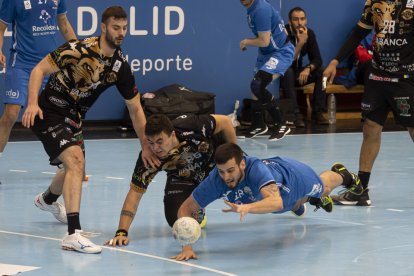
{"type": "Point", "coordinates": [34, 26]}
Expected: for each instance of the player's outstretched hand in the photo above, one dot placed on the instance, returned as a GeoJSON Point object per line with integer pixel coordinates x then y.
{"type": "Point", "coordinates": [237, 208]}
{"type": "Point", "coordinates": [186, 254]}
{"type": "Point", "coordinates": [117, 241]}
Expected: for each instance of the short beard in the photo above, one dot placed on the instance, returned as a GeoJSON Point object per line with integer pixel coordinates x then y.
{"type": "Point", "coordinates": [110, 42]}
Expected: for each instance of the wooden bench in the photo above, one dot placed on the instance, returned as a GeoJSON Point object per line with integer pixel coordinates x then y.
{"type": "Point", "coordinates": [335, 89]}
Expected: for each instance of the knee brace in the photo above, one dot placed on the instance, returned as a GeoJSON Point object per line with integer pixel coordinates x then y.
{"type": "Point", "coordinates": [258, 86]}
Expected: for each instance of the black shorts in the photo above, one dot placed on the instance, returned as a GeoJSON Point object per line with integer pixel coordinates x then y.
{"type": "Point", "coordinates": [58, 133]}
{"type": "Point", "coordinates": [384, 94]}
{"type": "Point", "coordinates": [177, 190]}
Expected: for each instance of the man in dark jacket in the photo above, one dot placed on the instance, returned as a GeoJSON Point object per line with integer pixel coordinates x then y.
{"type": "Point", "coordinates": [299, 74]}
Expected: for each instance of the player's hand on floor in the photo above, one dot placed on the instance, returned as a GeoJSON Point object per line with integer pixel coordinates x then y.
{"type": "Point", "coordinates": [186, 254]}
{"type": "Point", "coordinates": [117, 241]}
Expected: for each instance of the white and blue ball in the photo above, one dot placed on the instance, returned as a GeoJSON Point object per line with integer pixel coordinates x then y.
{"type": "Point", "coordinates": [186, 230]}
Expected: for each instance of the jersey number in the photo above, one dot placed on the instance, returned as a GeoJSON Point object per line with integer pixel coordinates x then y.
{"type": "Point", "coordinates": [389, 27]}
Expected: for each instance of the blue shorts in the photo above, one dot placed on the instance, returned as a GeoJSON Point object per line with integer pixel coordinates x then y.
{"type": "Point", "coordinates": [277, 62]}
{"type": "Point", "coordinates": [301, 181]}
{"type": "Point", "coordinates": [15, 85]}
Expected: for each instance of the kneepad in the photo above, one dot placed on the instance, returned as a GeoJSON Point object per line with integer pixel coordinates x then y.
{"type": "Point", "coordinates": [258, 86]}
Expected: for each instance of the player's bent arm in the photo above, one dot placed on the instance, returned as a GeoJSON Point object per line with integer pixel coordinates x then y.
{"type": "Point", "coordinates": [271, 202]}
{"type": "Point", "coordinates": [262, 40]}
{"type": "Point", "coordinates": [65, 27]}
{"type": "Point", "coordinates": [45, 67]}
{"type": "Point", "coordinates": [188, 207]}
{"type": "Point", "coordinates": [138, 122]}
{"type": "Point", "coordinates": [129, 209]}
{"type": "Point", "coordinates": [224, 125]}
{"type": "Point", "coordinates": [39, 72]}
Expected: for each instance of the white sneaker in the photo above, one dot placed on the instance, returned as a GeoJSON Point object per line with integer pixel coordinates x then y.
{"type": "Point", "coordinates": [56, 208]}
{"type": "Point", "coordinates": [79, 243]}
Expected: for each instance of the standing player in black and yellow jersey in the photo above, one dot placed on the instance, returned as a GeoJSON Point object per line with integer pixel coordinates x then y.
{"type": "Point", "coordinates": [80, 72]}
{"type": "Point", "coordinates": [390, 84]}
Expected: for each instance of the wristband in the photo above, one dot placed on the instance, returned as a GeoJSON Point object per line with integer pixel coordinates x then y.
{"type": "Point", "coordinates": [121, 232]}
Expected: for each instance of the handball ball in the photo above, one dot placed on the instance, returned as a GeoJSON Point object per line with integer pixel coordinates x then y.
{"type": "Point", "coordinates": [186, 230]}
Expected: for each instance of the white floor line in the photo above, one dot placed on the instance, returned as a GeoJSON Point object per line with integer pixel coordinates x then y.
{"type": "Point", "coordinates": [129, 252]}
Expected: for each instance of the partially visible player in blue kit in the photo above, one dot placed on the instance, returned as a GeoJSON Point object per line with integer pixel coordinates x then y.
{"type": "Point", "coordinates": [273, 185]}
{"type": "Point", "coordinates": [275, 57]}
{"type": "Point", "coordinates": [34, 25]}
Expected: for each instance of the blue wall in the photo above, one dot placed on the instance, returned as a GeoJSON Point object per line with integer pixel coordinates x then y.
{"type": "Point", "coordinates": [200, 43]}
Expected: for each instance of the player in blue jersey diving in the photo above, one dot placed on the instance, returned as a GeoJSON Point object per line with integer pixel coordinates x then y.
{"type": "Point", "coordinates": [274, 185]}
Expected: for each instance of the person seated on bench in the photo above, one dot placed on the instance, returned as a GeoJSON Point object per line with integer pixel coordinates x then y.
{"type": "Point", "coordinates": [305, 43]}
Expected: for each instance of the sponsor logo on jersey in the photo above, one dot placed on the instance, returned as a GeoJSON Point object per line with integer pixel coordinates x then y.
{"type": "Point", "coordinates": [117, 65]}
{"type": "Point", "coordinates": [27, 5]}
{"type": "Point", "coordinates": [381, 78]}
{"type": "Point", "coordinates": [45, 16]}
{"type": "Point", "coordinates": [391, 42]}
{"type": "Point", "coordinates": [58, 102]}
{"type": "Point", "coordinates": [407, 14]}
{"type": "Point", "coordinates": [186, 133]}
{"type": "Point", "coordinates": [12, 94]}
{"type": "Point", "coordinates": [111, 77]}
{"type": "Point", "coordinates": [410, 4]}
{"type": "Point", "coordinates": [63, 142]}
{"type": "Point", "coordinates": [45, 29]}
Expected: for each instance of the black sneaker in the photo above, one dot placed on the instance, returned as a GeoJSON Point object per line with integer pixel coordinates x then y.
{"type": "Point", "coordinates": [348, 198]}
{"type": "Point", "coordinates": [319, 119]}
{"type": "Point", "coordinates": [355, 186]}
{"type": "Point", "coordinates": [299, 122]}
{"type": "Point", "coordinates": [325, 203]}
{"type": "Point", "coordinates": [279, 132]}
{"type": "Point", "coordinates": [253, 132]}
{"type": "Point", "coordinates": [290, 124]}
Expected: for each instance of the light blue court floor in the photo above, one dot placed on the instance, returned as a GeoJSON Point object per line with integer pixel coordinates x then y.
{"type": "Point", "coordinates": [378, 240]}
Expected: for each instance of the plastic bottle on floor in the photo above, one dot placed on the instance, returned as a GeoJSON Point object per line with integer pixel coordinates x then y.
{"type": "Point", "coordinates": [331, 109]}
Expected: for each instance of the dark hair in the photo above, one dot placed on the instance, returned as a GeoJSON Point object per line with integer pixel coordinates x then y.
{"type": "Point", "coordinates": [228, 151]}
{"type": "Point", "coordinates": [296, 9]}
{"type": "Point", "coordinates": [115, 11]}
{"type": "Point", "coordinates": [158, 123]}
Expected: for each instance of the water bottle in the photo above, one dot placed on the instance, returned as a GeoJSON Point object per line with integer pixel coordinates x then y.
{"type": "Point", "coordinates": [331, 109]}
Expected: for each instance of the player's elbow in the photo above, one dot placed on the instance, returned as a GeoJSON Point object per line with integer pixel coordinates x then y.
{"type": "Point", "coordinates": [277, 205]}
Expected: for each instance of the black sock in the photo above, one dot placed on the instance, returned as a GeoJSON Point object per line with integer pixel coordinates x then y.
{"type": "Point", "coordinates": [364, 177]}
{"type": "Point", "coordinates": [49, 197]}
{"type": "Point", "coordinates": [73, 222]}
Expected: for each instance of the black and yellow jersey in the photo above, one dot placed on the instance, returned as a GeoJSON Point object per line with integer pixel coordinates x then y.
{"type": "Point", "coordinates": [393, 22]}
{"type": "Point", "coordinates": [83, 74]}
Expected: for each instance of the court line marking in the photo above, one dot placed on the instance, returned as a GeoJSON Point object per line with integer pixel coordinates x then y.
{"type": "Point", "coordinates": [292, 135]}
{"type": "Point", "coordinates": [22, 171]}
{"type": "Point", "coordinates": [113, 177]}
{"type": "Point", "coordinates": [395, 210]}
{"type": "Point", "coordinates": [380, 249]}
{"type": "Point", "coordinates": [340, 221]}
{"type": "Point", "coordinates": [130, 252]}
